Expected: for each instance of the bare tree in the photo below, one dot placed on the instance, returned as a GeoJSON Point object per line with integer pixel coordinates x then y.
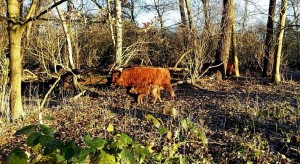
{"type": "Point", "coordinates": [182, 12]}
{"type": "Point", "coordinates": [16, 27]}
{"type": "Point", "coordinates": [119, 38]}
{"type": "Point", "coordinates": [269, 37]}
{"type": "Point", "coordinates": [206, 14]}
{"type": "Point", "coordinates": [208, 32]}
{"type": "Point", "coordinates": [234, 45]}
{"type": "Point", "coordinates": [131, 7]}
{"type": "Point", "coordinates": [296, 16]}
{"type": "Point", "coordinates": [110, 22]}
{"type": "Point", "coordinates": [66, 22]}
{"type": "Point", "coordinates": [189, 11]}
{"type": "Point", "coordinates": [157, 4]}
{"type": "Point", "coordinates": [110, 18]}
{"type": "Point", "coordinates": [222, 52]}
{"type": "Point", "coordinates": [277, 58]}
{"type": "Point", "coordinates": [245, 16]}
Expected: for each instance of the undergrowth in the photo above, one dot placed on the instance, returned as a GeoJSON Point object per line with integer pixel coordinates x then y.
{"type": "Point", "coordinates": [43, 147]}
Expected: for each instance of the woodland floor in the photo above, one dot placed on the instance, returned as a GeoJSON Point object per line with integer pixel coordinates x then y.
{"type": "Point", "coordinates": [244, 119]}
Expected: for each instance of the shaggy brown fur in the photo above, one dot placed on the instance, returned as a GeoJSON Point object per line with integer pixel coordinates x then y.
{"type": "Point", "coordinates": [145, 90]}
{"type": "Point", "coordinates": [230, 69]}
{"type": "Point", "coordinates": [143, 76]}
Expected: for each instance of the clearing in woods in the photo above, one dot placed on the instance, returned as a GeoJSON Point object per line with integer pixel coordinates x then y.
{"type": "Point", "coordinates": [244, 119]}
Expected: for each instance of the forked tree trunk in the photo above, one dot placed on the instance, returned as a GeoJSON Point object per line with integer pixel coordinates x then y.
{"type": "Point", "coordinates": [269, 37]}
{"type": "Point", "coordinates": [15, 34]}
{"type": "Point", "coordinates": [15, 30]}
{"type": "Point", "coordinates": [222, 52]}
{"type": "Point", "coordinates": [276, 70]}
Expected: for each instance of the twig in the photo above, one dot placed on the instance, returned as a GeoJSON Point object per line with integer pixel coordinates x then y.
{"type": "Point", "coordinates": [181, 57]}
{"type": "Point", "coordinates": [77, 96]}
{"type": "Point", "coordinates": [210, 68]}
{"type": "Point", "coordinates": [49, 91]}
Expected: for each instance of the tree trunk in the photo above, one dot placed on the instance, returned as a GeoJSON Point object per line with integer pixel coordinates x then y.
{"type": "Point", "coordinates": [189, 11]}
{"type": "Point", "coordinates": [15, 35]}
{"type": "Point", "coordinates": [182, 12]}
{"type": "Point", "coordinates": [208, 32]}
{"type": "Point", "coordinates": [206, 14]}
{"type": "Point", "coordinates": [159, 14]}
{"type": "Point", "coordinates": [118, 32]}
{"type": "Point", "coordinates": [296, 15]}
{"type": "Point", "coordinates": [276, 70]}
{"type": "Point", "coordinates": [15, 30]}
{"type": "Point", "coordinates": [245, 16]}
{"type": "Point", "coordinates": [110, 22]}
{"type": "Point", "coordinates": [269, 37]}
{"type": "Point", "coordinates": [234, 46]}
{"type": "Point", "coordinates": [132, 16]}
{"type": "Point", "coordinates": [67, 32]}
{"type": "Point", "coordinates": [222, 52]}
{"type": "Point", "coordinates": [183, 25]}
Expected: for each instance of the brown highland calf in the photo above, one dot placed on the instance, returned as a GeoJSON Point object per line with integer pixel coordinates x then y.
{"type": "Point", "coordinates": [230, 69]}
{"type": "Point", "coordinates": [145, 90]}
{"type": "Point", "coordinates": [143, 76]}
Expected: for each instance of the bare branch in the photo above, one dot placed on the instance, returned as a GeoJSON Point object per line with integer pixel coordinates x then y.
{"type": "Point", "coordinates": [44, 12]}
{"type": "Point", "coordinates": [32, 9]}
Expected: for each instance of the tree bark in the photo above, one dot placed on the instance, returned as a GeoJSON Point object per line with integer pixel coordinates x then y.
{"type": "Point", "coordinates": [15, 34]}
{"type": "Point", "coordinates": [276, 69]}
{"type": "Point", "coordinates": [222, 52]}
{"type": "Point", "coordinates": [269, 37]}
{"type": "Point", "coordinates": [15, 30]}
{"type": "Point", "coordinates": [110, 22]}
{"type": "Point", "coordinates": [159, 14]}
{"type": "Point", "coordinates": [296, 17]}
{"type": "Point", "coordinates": [118, 32]}
{"type": "Point", "coordinates": [189, 11]}
{"type": "Point", "coordinates": [234, 45]}
{"type": "Point", "coordinates": [132, 8]}
{"type": "Point", "coordinates": [208, 32]}
{"type": "Point", "coordinates": [67, 31]}
{"type": "Point", "coordinates": [182, 12]}
{"type": "Point", "coordinates": [245, 16]}
{"type": "Point", "coordinates": [68, 34]}
{"type": "Point", "coordinates": [206, 14]}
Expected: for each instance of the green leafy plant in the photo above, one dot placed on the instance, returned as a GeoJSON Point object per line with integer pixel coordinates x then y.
{"type": "Point", "coordinates": [47, 149]}
{"type": "Point", "coordinates": [170, 151]}
{"type": "Point", "coordinates": [121, 148]}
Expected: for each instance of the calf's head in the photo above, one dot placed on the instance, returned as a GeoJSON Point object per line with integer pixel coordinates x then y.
{"type": "Point", "coordinates": [115, 75]}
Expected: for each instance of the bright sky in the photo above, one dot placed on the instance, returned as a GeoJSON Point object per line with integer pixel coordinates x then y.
{"type": "Point", "coordinates": [258, 10]}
